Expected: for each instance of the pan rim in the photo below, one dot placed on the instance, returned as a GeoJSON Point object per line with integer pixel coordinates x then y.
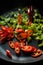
{"type": "Point", "coordinates": [5, 59]}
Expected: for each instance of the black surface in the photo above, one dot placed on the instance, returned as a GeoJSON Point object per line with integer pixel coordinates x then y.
{"type": "Point", "coordinates": [4, 62]}
{"type": "Point", "coordinates": [7, 5]}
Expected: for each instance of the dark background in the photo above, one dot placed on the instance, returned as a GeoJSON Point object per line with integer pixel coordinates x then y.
{"type": "Point", "coordinates": [6, 5]}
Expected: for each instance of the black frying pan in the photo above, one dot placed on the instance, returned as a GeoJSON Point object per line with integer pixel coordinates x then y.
{"type": "Point", "coordinates": [23, 58]}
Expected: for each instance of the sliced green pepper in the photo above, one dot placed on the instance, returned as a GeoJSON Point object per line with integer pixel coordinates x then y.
{"type": "Point", "coordinates": [2, 23]}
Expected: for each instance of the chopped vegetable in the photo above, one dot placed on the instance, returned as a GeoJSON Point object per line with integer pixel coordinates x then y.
{"type": "Point", "coordinates": [17, 50]}
{"type": "Point", "coordinates": [34, 49]}
{"type": "Point", "coordinates": [12, 44]}
{"type": "Point", "coordinates": [37, 53]}
{"type": "Point", "coordinates": [2, 23]}
{"type": "Point", "coordinates": [6, 33]}
{"type": "Point", "coordinates": [27, 48]}
{"type": "Point", "coordinates": [19, 19]}
{"type": "Point", "coordinates": [19, 30]}
{"type": "Point", "coordinates": [8, 53]}
{"type": "Point", "coordinates": [25, 25]}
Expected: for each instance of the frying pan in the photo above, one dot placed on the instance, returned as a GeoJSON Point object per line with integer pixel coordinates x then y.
{"type": "Point", "coordinates": [5, 6]}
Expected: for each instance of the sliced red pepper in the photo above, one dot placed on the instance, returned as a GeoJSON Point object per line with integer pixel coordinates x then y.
{"type": "Point", "coordinates": [10, 36]}
{"type": "Point", "coordinates": [10, 30]}
{"type": "Point", "coordinates": [37, 53]}
{"type": "Point", "coordinates": [19, 19]}
{"type": "Point", "coordinates": [17, 44]}
{"type": "Point", "coordinates": [23, 35]}
{"type": "Point", "coordinates": [34, 49]}
{"type": "Point", "coordinates": [17, 47]}
{"type": "Point", "coordinates": [1, 32]}
{"type": "Point", "coordinates": [22, 43]}
{"type": "Point", "coordinates": [8, 53]}
{"type": "Point", "coordinates": [3, 28]}
{"type": "Point", "coordinates": [27, 48]}
{"type": "Point", "coordinates": [12, 44]}
{"type": "Point", "coordinates": [4, 35]}
{"type": "Point", "coordinates": [19, 30]}
{"type": "Point", "coordinates": [29, 32]}
{"type": "Point", "coordinates": [17, 50]}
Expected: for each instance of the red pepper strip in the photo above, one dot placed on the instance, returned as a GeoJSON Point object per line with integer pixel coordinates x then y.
{"type": "Point", "coordinates": [19, 19]}
{"type": "Point", "coordinates": [9, 30]}
{"type": "Point", "coordinates": [29, 32]}
{"type": "Point", "coordinates": [4, 35]}
{"type": "Point", "coordinates": [37, 53]}
{"type": "Point", "coordinates": [27, 48]}
{"type": "Point", "coordinates": [17, 50]}
{"type": "Point", "coordinates": [22, 43]}
{"type": "Point", "coordinates": [34, 49]}
{"type": "Point", "coordinates": [17, 44]}
{"type": "Point", "coordinates": [19, 30]}
{"type": "Point", "coordinates": [10, 36]}
{"type": "Point", "coordinates": [12, 44]}
{"type": "Point", "coordinates": [1, 32]}
{"type": "Point", "coordinates": [8, 53]}
{"type": "Point", "coordinates": [17, 47]}
{"type": "Point", "coordinates": [4, 28]}
{"type": "Point", "coordinates": [23, 35]}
